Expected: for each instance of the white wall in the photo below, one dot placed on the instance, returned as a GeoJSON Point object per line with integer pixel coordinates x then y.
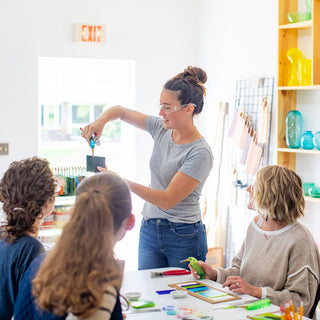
{"type": "Point", "coordinates": [154, 34]}
{"type": "Point", "coordinates": [238, 40]}
{"type": "Point", "coordinates": [230, 39]}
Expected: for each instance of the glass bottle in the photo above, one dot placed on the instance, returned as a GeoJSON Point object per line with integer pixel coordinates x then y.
{"type": "Point", "coordinates": [307, 140]}
{"type": "Point", "coordinates": [316, 140]}
{"type": "Point", "coordinates": [294, 122]}
{"type": "Point", "coordinates": [309, 9]}
{"type": "Point", "coordinates": [294, 55]}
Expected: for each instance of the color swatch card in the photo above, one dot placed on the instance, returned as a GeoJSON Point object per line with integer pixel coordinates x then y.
{"type": "Point", "coordinates": [94, 162]}
{"type": "Point", "coordinates": [204, 291]}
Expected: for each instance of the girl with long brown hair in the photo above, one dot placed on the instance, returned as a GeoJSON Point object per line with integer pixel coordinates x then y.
{"type": "Point", "coordinates": [81, 275]}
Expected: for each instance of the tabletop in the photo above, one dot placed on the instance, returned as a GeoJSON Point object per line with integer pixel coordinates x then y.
{"type": "Point", "coordinates": [142, 282]}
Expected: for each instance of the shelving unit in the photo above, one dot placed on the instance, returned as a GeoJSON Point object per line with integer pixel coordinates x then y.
{"type": "Point", "coordinates": [288, 35]}
{"type": "Point", "coordinates": [50, 232]}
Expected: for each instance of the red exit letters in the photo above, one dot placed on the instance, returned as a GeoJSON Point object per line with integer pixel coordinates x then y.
{"type": "Point", "coordinates": [91, 33]}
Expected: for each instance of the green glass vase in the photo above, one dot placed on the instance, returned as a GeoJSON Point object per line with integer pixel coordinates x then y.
{"type": "Point", "coordinates": [294, 132]}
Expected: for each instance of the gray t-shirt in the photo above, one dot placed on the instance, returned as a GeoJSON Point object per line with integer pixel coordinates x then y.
{"type": "Point", "coordinates": [193, 159]}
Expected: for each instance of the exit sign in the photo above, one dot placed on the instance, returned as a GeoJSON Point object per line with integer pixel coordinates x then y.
{"type": "Point", "coordinates": [89, 33]}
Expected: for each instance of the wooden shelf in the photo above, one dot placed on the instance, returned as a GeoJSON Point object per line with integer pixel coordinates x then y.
{"type": "Point", "coordinates": [297, 25]}
{"type": "Point", "coordinates": [311, 199]}
{"type": "Point", "coordinates": [65, 201]}
{"type": "Point", "coordinates": [50, 232]}
{"type": "Point", "coordinates": [289, 36]}
{"type": "Point", "coordinates": [296, 88]}
{"type": "Point", "coordinates": [313, 151]}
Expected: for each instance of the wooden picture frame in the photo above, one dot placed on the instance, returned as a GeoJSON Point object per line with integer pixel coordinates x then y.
{"type": "Point", "coordinates": [204, 291]}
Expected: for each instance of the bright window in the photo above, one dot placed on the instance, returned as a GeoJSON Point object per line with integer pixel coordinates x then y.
{"type": "Point", "coordinates": [73, 93]}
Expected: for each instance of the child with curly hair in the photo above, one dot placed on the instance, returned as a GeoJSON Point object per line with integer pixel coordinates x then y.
{"type": "Point", "coordinates": [27, 193]}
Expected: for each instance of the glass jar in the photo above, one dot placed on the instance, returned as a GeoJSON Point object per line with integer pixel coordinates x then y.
{"type": "Point", "coordinates": [307, 140]}
{"type": "Point", "coordinates": [316, 140]}
{"type": "Point", "coordinates": [294, 122]}
{"type": "Point", "coordinates": [309, 9]}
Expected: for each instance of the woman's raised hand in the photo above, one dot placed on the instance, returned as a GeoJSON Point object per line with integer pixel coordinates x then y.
{"type": "Point", "coordinates": [95, 127]}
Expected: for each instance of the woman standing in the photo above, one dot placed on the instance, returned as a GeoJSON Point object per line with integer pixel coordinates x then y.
{"type": "Point", "coordinates": [171, 229]}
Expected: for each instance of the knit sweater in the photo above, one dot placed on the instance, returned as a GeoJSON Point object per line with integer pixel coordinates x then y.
{"type": "Point", "coordinates": [284, 263]}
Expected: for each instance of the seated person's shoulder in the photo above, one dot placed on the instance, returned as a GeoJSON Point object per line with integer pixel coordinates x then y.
{"type": "Point", "coordinates": [29, 247]}
{"type": "Point", "coordinates": [302, 233]}
{"type": "Point", "coordinates": [257, 220]}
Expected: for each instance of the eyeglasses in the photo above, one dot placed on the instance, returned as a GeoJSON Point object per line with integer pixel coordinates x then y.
{"type": "Point", "coordinates": [167, 109]}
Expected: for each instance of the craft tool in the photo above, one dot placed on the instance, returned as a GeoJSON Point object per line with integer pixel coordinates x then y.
{"type": "Point", "coordinates": [264, 317]}
{"type": "Point", "coordinates": [236, 305]}
{"type": "Point", "coordinates": [161, 292]}
{"type": "Point", "coordinates": [301, 310]}
{"type": "Point", "coordinates": [93, 142]}
{"type": "Point", "coordinates": [287, 311]}
{"type": "Point", "coordinates": [249, 305]}
{"type": "Point", "coordinates": [283, 313]}
{"type": "Point", "coordinates": [257, 305]}
{"type": "Point", "coordinates": [169, 273]}
{"type": "Point", "coordinates": [292, 309]}
{"type": "Point", "coordinates": [143, 310]}
{"type": "Point", "coordinates": [196, 266]}
{"type": "Point", "coordinates": [142, 304]}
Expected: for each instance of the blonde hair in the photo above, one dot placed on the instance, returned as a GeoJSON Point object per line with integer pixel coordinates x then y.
{"type": "Point", "coordinates": [278, 193]}
{"type": "Point", "coordinates": [73, 275]}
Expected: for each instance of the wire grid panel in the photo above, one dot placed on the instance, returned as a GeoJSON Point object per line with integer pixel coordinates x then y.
{"type": "Point", "coordinates": [249, 99]}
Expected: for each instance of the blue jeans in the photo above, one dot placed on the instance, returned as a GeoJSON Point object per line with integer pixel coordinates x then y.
{"type": "Point", "coordinates": [164, 244]}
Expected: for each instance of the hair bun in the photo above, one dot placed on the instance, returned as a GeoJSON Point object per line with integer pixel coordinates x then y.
{"type": "Point", "coordinates": [193, 72]}
{"type": "Point", "coordinates": [189, 86]}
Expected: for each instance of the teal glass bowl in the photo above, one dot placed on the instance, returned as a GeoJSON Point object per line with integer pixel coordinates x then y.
{"type": "Point", "coordinates": [314, 192]}
{"type": "Point", "coordinates": [306, 186]}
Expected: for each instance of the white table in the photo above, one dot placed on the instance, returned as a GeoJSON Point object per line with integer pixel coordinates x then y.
{"type": "Point", "coordinates": [142, 282]}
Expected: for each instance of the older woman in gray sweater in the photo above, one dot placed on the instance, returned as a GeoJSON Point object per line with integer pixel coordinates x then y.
{"type": "Point", "coordinates": [279, 258]}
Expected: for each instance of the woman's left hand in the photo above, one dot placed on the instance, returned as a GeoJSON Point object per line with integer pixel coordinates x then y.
{"type": "Point", "coordinates": [238, 285]}
{"type": "Point", "coordinates": [101, 169]}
